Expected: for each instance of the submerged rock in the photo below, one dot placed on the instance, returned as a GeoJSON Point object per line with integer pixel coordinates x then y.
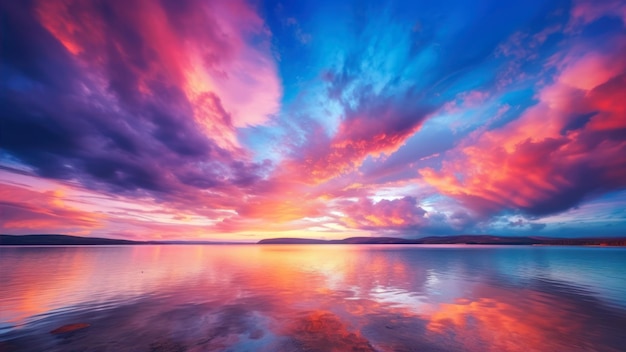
{"type": "Point", "coordinates": [70, 328]}
{"type": "Point", "coordinates": [167, 346]}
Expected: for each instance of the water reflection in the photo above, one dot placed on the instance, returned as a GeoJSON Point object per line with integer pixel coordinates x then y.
{"type": "Point", "coordinates": [313, 298]}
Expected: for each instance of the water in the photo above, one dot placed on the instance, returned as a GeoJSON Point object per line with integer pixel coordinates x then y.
{"type": "Point", "coordinates": [313, 298]}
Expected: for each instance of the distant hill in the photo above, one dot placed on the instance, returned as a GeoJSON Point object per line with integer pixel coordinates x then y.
{"type": "Point", "coordinates": [461, 239]}
{"type": "Point", "coordinates": [32, 240]}
{"type": "Point", "coordinates": [65, 240]}
{"type": "Point", "coordinates": [351, 240]}
{"type": "Point", "coordinates": [287, 240]}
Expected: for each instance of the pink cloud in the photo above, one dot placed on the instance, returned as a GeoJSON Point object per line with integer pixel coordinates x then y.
{"type": "Point", "coordinates": [590, 71]}
{"type": "Point", "coordinates": [587, 11]}
{"type": "Point", "coordinates": [217, 53]}
{"type": "Point", "coordinates": [386, 214]}
{"type": "Point", "coordinates": [23, 210]}
{"type": "Point", "coordinates": [375, 129]}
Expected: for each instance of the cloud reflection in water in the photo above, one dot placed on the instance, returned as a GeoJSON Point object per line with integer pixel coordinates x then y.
{"type": "Point", "coordinates": [312, 298]}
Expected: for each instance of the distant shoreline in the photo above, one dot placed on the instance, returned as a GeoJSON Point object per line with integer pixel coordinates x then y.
{"type": "Point", "coordinates": [462, 239]}
{"type": "Point", "coordinates": [65, 240]}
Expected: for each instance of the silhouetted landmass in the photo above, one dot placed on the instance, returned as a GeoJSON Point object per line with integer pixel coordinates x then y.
{"type": "Point", "coordinates": [191, 242]}
{"type": "Point", "coordinates": [461, 239]}
{"type": "Point", "coordinates": [287, 240]}
{"type": "Point", "coordinates": [25, 240]}
{"type": "Point", "coordinates": [65, 240]}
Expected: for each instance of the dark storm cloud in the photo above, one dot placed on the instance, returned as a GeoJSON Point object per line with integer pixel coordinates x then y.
{"type": "Point", "coordinates": [101, 115]}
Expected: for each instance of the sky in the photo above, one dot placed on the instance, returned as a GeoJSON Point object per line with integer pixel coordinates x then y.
{"type": "Point", "coordinates": [241, 120]}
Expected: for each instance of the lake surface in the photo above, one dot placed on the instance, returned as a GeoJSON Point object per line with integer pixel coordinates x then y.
{"type": "Point", "coordinates": [313, 298]}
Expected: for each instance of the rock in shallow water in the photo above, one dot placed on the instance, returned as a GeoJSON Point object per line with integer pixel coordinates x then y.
{"type": "Point", "coordinates": [70, 328]}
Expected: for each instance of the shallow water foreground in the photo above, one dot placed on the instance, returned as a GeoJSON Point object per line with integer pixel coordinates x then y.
{"type": "Point", "coordinates": [312, 298]}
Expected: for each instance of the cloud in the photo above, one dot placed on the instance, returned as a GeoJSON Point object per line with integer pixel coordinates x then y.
{"type": "Point", "coordinates": [377, 126]}
{"type": "Point", "coordinates": [386, 214]}
{"type": "Point", "coordinates": [136, 97]}
{"type": "Point", "coordinates": [567, 147]}
{"type": "Point", "coordinates": [537, 226]}
{"type": "Point", "coordinates": [201, 47]}
{"type": "Point", "coordinates": [298, 33]}
{"type": "Point", "coordinates": [584, 12]}
{"type": "Point", "coordinates": [521, 223]}
{"type": "Point", "coordinates": [23, 210]}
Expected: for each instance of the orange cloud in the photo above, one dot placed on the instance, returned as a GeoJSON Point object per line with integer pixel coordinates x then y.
{"type": "Point", "coordinates": [27, 211]}
{"type": "Point", "coordinates": [377, 126]}
{"type": "Point", "coordinates": [561, 150]}
{"type": "Point", "coordinates": [494, 325]}
{"type": "Point", "coordinates": [323, 330]}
